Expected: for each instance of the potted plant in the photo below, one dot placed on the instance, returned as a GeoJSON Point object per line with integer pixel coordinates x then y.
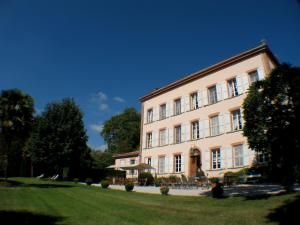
{"type": "Point", "coordinates": [164, 190]}
{"type": "Point", "coordinates": [129, 186]}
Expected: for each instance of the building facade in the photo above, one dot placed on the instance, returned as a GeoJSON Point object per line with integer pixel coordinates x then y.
{"type": "Point", "coordinates": [195, 124]}
{"type": "Point", "coordinates": [124, 161]}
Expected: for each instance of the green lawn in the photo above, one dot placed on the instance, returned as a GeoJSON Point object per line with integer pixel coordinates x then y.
{"type": "Point", "coordinates": [45, 202]}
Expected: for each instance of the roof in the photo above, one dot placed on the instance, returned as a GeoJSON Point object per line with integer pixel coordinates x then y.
{"type": "Point", "coordinates": [262, 48]}
{"type": "Point", "coordinates": [127, 154]}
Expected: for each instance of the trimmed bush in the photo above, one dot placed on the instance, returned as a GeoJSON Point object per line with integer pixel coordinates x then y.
{"type": "Point", "coordinates": [146, 175]}
{"type": "Point", "coordinates": [129, 186]}
{"type": "Point", "coordinates": [75, 180]}
{"type": "Point", "coordinates": [164, 190]}
{"type": "Point", "coordinates": [214, 180]}
{"type": "Point", "coordinates": [217, 190]}
{"type": "Point", "coordinates": [88, 181]}
{"type": "Point", "coordinates": [104, 183]}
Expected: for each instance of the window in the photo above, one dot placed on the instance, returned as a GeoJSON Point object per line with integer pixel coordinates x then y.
{"type": "Point", "coordinates": [178, 134]}
{"type": "Point", "coordinates": [177, 106]}
{"type": "Point", "coordinates": [132, 172]}
{"type": "Point", "coordinates": [253, 76]}
{"type": "Point", "coordinates": [216, 158]}
{"type": "Point", "coordinates": [238, 155]}
{"type": "Point", "coordinates": [195, 130]}
{"type": "Point", "coordinates": [212, 95]}
{"type": "Point", "coordinates": [236, 118]}
{"type": "Point", "coordinates": [150, 115]}
{"type": "Point", "coordinates": [161, 165]}
{"type": "Point", "coordinates": [162, 112]}
{"type": "Point", "coordinates": [149, 161]}
{"type": "Point", "coordinates": [262, 158]}
{"type": "Point", "coordinates": [194, 101]}
{"type": "Point", "coordinates": [122, 162]}
{"type": "Point", "coordinates": [132, 161]}
{"type": "Point", "coordinates": [214, 126]}
{"type": "Point", "coordinates": [232, 88]}
{"type": "Point", "coordinates": [149, 140]}
{"type": "Point", "coordinates": [162, 137]}
{"type": "Point", "coordinates": [177, 163]}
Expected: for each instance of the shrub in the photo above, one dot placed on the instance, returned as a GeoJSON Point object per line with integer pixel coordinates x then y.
{"type": "Point", "coordinates": [157, 182]}
{"type": "Point", "coordinates": [146, 175]}
{"type": "Point", "coordinates": [104, 183]}
{"type": "Point", "coordinates": [214, 180]}
{"type": "Point", "coordinates": [75, 180]}
{"type": "Point", "coordinates": [217, 190]}
{"type": "Point", "coordinates": [164, 190]}
{"type": "Point", "coordinates": [129, 186]}
{"type": "Point", "coordinates": [172, 178]}
{"type": "Point", "coordinates": [88, 181]}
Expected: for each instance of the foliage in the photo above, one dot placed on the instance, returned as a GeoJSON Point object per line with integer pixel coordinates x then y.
{"type": "Point", "coordinates": [101, 159]}
{"type": "Point", "coordinates": [172, 178]}
{"type": "Point", "coordinates": [16, 119]}
{"type": "Point", "coordinates": [164, 190]}
{"type": "Point", "coordinates": [129, 186]}
{"type": "Point", "coordinates": [157, 181]}
{"type": "Point", "coordinates": [104, 183]}
{"type": "Point", "coordinates": [59, 139]}
{"type": "Point", "coordinates": [88, 181]}
{"type": "Point", "coordinates": [146, 175]}
{"type": "Point", "coordinates": [122, 132]}
{"type": "Point", "coordinates": [217, 190]}
{"type": "Point", "coordinates": [214, 180]}
{"type": "Point", "coordinates": [271, 112]}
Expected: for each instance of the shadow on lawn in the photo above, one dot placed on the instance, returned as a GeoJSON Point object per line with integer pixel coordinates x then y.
{"type": "Point", "coordinates": [13, 183]}
{"type": "Point", "coordinates": [27, 218]}
{"type": "Point", "coordinates": [286, 214]}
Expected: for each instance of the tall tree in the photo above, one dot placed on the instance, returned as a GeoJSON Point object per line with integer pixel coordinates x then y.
{"type": "Point", "coordinates": [271, 112]}
{"type": "Point", "coordinates": [122, 132]}
{"type": "Point", "coordinates": [16, 118]}
{"type": "Point", "coordinates": [59, 138]}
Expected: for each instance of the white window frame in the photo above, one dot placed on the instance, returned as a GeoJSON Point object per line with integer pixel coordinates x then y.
{"type": "Point", "coordinates": [212, 95]}
{"type": "Point", "coordinates": [214, 125]}
{"type": "Point", "coordinates": [162, 137]}
{"type": "Point", "coordinates": [236, 120]}
{"type": "Point", "coordinates": [177, 106]}
{"type": "Point", "coordinates": [149, 140]}
{"type": "Point", "coordinates": [238, 151]}
{"type": "Point", "coordinates": [252, 74]}
{"type": "Point", "coordinates": [178, 163]}
{"type": "Point", "coordinates": [177, 132]}
{"type": "Point", "coordinates": [161, 164]}
{"type": "Point", "coordinates": [150, 115]}
{"type": "Point", "coordinates": [216, 159]}
{"type": "Point", "coordinates": [232, 88]}
{"type": "Point", "coordinates": [195, 130]}
{"type": "Point", "coordinates": [162, 111]}
{"type": "Point", "coordinates": [194, 101]}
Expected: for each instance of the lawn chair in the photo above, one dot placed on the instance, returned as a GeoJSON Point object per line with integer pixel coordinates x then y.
{"type": "Point", "coordinates": [40, 176]}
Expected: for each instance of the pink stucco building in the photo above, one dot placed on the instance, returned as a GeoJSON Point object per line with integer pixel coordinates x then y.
{"type": "Point", "coordinates": [196, 122]}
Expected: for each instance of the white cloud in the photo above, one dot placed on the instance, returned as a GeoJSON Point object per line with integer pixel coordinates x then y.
{"type": "Point", "coordinates": [97, 127]}
{"type": "Point", "coordinates": [100, 99]}
{"type": "Point", "coordinates": [119, 99]}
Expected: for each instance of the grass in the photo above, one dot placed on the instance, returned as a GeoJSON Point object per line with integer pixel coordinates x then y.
{"type": "Point", "coordinates": [32, 201]}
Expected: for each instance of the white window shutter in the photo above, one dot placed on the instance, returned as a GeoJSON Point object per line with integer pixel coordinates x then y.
{"type": "Point", "coordinates": [204, 97]}
{"type": "Point", "coordinates": [182, 104]}
{"type": "Point", "coordinates": [183, 131]}
{"type": "Point", "coordinates": [145, 116]}
{"type": "Point", "coordinates": [201, 128]}
{"type": "Point", "coordinates": [207, 160]}
{"type": "Point", "coordinates": [221, 123]}
{"type": "Point", "coordinates": [171, 167]}
{"type": "Point", "coordinates": [187, 103]}
{"type": "Point", "coordinates": [200, 101]}
{"type": "Point", "coordinates": [227, 121]}
{"type": "Point", "coordinates": [246, 152]}
{"type": "Point", "coordinates": [182, 163]}
{"type": "Point", "coordinates": [229, 157]}
{"type": "Point", "coordinates": [188, 132]}
{"type": "Point", "coordinates": [242, 114]}
{"type": "Point", "coordinates": [166, 164]}
{"type": "Point", "coordinates": [239, 84]}
{"type": "Point", "coordinates": [155, 138]}
{"type": "Point", "coordinates": [155, 164]}
{"type": "Point", "coordinates": [155, 113]}
{"type": "Point", "coordinates": [171, 138]}
{"type": "Point", "coordinates": [224, 90]}
{"type": "Point", "coordinates": [219, 92]}
{"type": "Point", "coordinates": [260, 73]}
{"type": "Point", "coordinates": [168, 109]}
{"type": "Point", "coordinates": [171, 109]}
{"type": "Point", "coordinates": [245, 80]}
{"type": "Point", "coordinates": [167, 136]}
{"type": "Point", "coordinates": [223, 158]}
{"type": "Point", "coordinates": [206, 127]}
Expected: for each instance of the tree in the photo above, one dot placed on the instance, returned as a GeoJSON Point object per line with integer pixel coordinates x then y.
{"type": "Point", "coordinates": [101, 159]}
{"type": "Point", "coordinates": [122, 132]}
{"type": "Point", "coordinates": [16, 118]}
{"type": "Point", "coordinates": [59, 139]}
{"type": "Point", "coordinates": [271, 112]}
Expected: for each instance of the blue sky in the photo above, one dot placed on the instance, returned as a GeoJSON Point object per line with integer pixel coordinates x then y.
{"type": "Point", "coordinates": [106, 54]}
